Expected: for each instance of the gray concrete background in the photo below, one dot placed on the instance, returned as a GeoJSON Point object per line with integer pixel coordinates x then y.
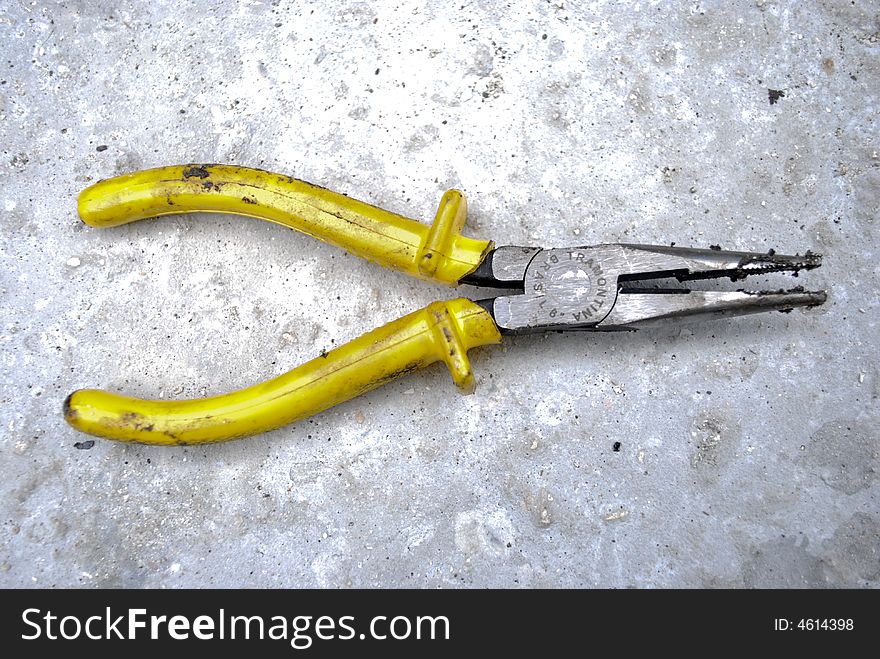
{"type": "Point", "coordinates": [749, 447]}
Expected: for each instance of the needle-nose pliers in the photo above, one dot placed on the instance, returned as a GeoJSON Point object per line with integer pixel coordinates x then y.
{"type": "Point", "coordinates": [590, 288]}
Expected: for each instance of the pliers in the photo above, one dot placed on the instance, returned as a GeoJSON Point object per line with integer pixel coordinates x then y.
{"type": "Point", "coordinates": [587, 288]}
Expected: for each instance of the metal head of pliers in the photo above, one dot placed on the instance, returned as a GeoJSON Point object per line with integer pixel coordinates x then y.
{"type": "Point", "coordinates": [609, 287]}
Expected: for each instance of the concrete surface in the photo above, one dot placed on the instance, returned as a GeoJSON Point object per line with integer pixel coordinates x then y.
{"type": "Point", "coordinates": [748, 448]}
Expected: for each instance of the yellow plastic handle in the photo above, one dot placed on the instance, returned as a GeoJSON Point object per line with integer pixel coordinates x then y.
{"type": "Point", "coordinates": [442, 331]}
{"type": "Point", "coordinates": [438, 252]}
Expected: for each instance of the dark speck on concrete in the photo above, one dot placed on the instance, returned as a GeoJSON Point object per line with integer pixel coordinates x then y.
{"type": "Point", "coordinates": [84, 446]}
{"type": "Point", "coordinates": [616, 447]}
{"type": "Point", "coordinates": [774, 95]}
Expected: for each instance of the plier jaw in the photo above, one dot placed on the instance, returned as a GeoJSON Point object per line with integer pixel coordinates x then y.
{"type": "Point", "coordinates": [605, 287]}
